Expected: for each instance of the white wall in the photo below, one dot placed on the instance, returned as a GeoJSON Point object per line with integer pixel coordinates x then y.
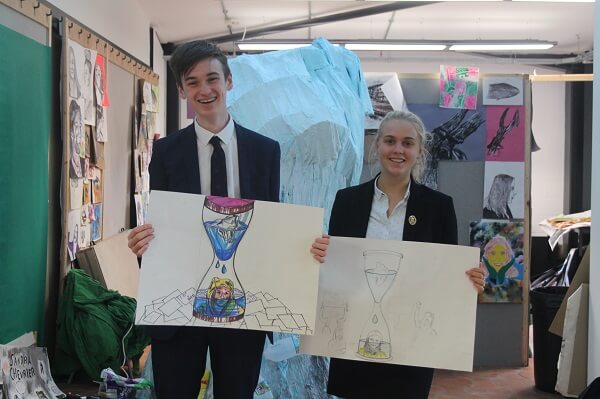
{"type": "Point", "coordinates": [594, 319]}
{"type": "Point", "coordinates": [547, 169]}
{"type": "Point", "coordinates": [160, 67]}
{"type": "Point", "coordinates": [124, 23]}
{"type": "Point", "coordinates": [547, 164]}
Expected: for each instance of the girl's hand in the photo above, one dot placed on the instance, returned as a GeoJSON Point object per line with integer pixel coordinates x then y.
{"type": "Point", "coordinates": [319, 248]}
{"type": "Point", "coordinates": [477, 277]}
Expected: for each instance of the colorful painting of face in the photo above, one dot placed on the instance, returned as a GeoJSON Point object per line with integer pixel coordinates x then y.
{"type": "Point", "coordinates": [501, 245]}
{"type": "Point", "coordinates": [100, 83]}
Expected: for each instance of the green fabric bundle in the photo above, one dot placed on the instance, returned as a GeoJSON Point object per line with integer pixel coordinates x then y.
{"type": "Point", "coordinates": [90, 327]}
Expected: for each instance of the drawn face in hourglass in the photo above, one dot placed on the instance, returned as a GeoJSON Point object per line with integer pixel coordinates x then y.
{"type": "Point", "coordinates": [220, 296]}
{"type": "Point", "coordinates": [381, 268]}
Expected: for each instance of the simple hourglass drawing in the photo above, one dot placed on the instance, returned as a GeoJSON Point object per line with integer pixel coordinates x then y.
{"type": "Point", "coordinates": [381, 268]}
{"type": "Point", "coordinates": [220, 296]}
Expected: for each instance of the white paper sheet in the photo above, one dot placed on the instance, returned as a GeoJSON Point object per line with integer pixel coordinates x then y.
{"type": "Point", "coordinates": [420, 309]}
{"type": "Point", "coordinates": [184, 282]}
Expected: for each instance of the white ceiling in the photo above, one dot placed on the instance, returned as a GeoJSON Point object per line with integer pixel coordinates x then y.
{"type": "Point", "coordinates": [569, 24]}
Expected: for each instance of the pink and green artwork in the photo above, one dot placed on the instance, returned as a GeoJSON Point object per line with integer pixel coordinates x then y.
{"type": "Point", "coordinates": [458, 87]}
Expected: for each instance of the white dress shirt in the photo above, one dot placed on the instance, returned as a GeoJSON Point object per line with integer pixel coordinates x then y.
{"type": "Point", "coordinates": [382, 227]}
{"type": "Point", "coordinates": [205, 150]}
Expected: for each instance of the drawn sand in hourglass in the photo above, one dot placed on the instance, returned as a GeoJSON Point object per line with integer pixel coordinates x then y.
{"type": "Point", "coordinates": [381, 268]}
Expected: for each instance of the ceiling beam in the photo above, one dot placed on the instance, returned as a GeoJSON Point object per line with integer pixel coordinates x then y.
{"type": "Point", "coordinates": [168, 48]}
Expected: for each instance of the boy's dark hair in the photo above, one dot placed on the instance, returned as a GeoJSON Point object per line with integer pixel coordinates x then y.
{"type": "Point", "coordinates": [186, 56]}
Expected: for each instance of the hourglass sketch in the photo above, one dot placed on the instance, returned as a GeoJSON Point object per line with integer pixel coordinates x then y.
{"type": "Point", "coordinates": [381, 268]}
{"type": "Point", "coordinates": [220, 297]}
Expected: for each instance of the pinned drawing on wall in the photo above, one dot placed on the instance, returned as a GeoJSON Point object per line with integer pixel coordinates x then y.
{"type": "Point", "coordinates": [84, 227]}
{"type": "Point", "coordinates": [225, 277]}
{"type": "Point", "coordinates": [410, 303]}
{"type": "Point", "coordinates": [96, 225]}
{"type": "Point", "coordinates": [501, 246]}
{"type": "Point", "coordinates": [73, 223]}
{"type": "Point", "coordinates": [87, 192]}
{"type": "Point", "coordinates": [75, 61]}
{"type": "Point", "coordinates": [505, 134]}
{"type": "Point", "coordinates": [97, 185]}
{"type": "Point", "coordinates": [100, 82]}
{"type": "Point", "coordinates": [87, 86]}
{"type": "Point", "coordinates": [386, 95]}
{"type": "Point", "coordinates": [505, 90]}
{"type": "Point", "coordinates": [504, 187]}
{"type": "Point", "coordinates": [77, 139]}
{"type": "Point", "coordinates": [75, 193]}
{"type": "Point", "coordinates": [141, 207]}
{"type": "Point", "coordinates": [155, 98]}
{"type": "Point", "coordinates": [98, 148]}
{"type": "Point", "coordinates": [458, 87]}
{"type": "Point", "coordinates": [147, 95]}
{"type": "Point", "coordinates": [455, 136]}
{"type": "Point", "coordinates": [101, 128]}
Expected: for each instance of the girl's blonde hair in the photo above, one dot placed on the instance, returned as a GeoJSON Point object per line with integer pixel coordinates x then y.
{"type": "Point", "coordinates": [423, 137]}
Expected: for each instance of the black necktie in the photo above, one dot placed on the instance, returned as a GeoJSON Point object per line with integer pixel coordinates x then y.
{"type": "Point", "coordinates": [218, 170]}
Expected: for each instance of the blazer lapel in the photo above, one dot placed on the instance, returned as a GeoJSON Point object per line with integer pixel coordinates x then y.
{"type": "Point", "coordinates": [245, 162]}
{"type": "Point", "coordinates": [190, 157]}
{"type": "Point", "coordinates": [363, 207]}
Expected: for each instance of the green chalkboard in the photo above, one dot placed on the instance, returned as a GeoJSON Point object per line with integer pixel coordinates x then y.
{"type": "Point", "coordinates": [25, 95]}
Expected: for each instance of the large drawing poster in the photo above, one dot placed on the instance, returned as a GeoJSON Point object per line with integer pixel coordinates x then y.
{"type": "Point", "coordinates": [231, 263]}
{"type": "Point", "coordinates": [396, 302]}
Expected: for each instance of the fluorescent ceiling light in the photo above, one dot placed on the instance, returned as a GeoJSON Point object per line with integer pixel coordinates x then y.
{"type": "Point", "coordinates": [560, 1]}
{"type": "Point", "coordinates": [501, 46]}
{"type": "Point", "coordinates": [256, 46]}
{"type": "Point", "coordinates": [393, 47]}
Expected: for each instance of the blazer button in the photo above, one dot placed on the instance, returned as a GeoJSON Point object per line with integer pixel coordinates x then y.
{"type": "Point", "coordinates": [412, 220]}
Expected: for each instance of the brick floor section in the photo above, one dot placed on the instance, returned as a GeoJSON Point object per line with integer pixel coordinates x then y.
{"type": "Point", "coordinates": [509, 383]}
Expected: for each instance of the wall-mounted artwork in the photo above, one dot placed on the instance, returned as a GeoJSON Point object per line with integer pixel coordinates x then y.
{"type": "Point", "coordinates": [456, 135]}
{"type": "Point", "coordinates": [77, 138]}
{"type": "Point", "coordinates": [75, 71]}
{"type": "Point", "coordinates": [76, 193]}
{"type": "Point", "coordinates": [458, 87]}
{"type": "Point", "coordinates": [396, 302]}
{"type": "Point", "coordinates": [230, 263]}
{"type": "Point", "coordinates": [147, 97]}
{"type": "Point", "coordinates": [73, 226]}
{"type": "Point", "coordinates": [101, 128]}
{"type": "Point", "coordinates": [100, 82]}
{"type": "Point", "coordinates": [97, 185]}
{"type": "Point", "coordinates": [503, 190]}
{"type": "Point", "coordinates": [501, 246]}
{"type": "Point", "coordinates": [96, 225]}
{"type": "Point", "coordinates": [84, 228]}
{"type": "Point", "coordinates": [505, 134]}
{"type": "Point", "coordinates": [505, 90]}
{"type": "Point", "coordinates": [386, 95]}
{"type": "Point", "coordinates": [87, 86]}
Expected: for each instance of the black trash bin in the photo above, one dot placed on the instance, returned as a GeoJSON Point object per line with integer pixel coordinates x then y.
{"type": "Point", "coordinates": [545, 302]}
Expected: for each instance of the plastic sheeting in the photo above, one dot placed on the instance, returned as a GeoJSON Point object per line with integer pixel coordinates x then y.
{"type": "Point", "coordinates": [313, 101]}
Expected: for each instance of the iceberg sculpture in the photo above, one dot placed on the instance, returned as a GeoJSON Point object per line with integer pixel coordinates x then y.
{"type": "Point", "coordinates": [313, 101]}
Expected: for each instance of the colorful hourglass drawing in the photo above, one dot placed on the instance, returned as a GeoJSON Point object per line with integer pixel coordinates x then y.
{"type": "Point", "coordinates": [220, 296]}
{"type": "Point", "coordinates": [381, 268]}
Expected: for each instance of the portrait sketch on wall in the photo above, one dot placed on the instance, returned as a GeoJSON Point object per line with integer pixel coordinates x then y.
{"type": "Point", "coordinates": [77, 138]}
